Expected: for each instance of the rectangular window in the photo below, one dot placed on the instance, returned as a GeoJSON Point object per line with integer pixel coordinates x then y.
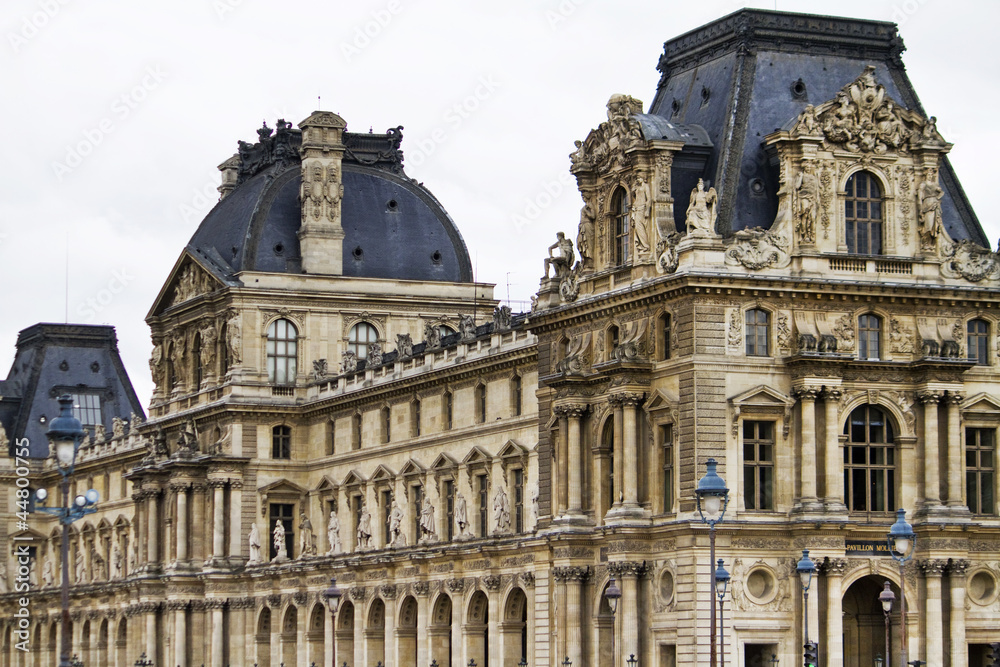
{"type": "Point", "coordinates": [285, 513]}
{"type": "Point", "coordinates": [356, 503]}
{"type": "Point", "coordinates": [449, 411]}
{"type": "Point", "coordinates": [281, 442]}
{"type": "Point", "coordinates": [978, 342]}
{"type": "Point", "coordinates": [87, 408]}
{"type": "Point", "coordinates": [980, 469]}
{"type": "Point", "coordinates": [757, 333]}
{"type": "Point", "coordinates": [331, 441]}
{"type": "Point", "coordinates": [665, 332]}
{"type": "Point", "coordinates": [386, 415]}
{"type": "Point", "coordinates": [758, 465]}
{"type": "Point", "coordinates": [386, 511]}
{"type": "Point", "coordinates": [480, 403]}
{"type": "Point", "coordinates": [449, 508]}
{"type": "Point", "coordinates": [518, 501]}
{"type": "Point", "coordinates": [667, 442]}
{"type": "Point", "coordinates": [417, 495]}
{"type": "Point", "coordinates": [415, 417]}
{"type": "Point", "coordinates": [356, 432]}
{"type": "Point", "coordinates": [482, 487]}
{"type": "Point", "coordinates": [515, 391]}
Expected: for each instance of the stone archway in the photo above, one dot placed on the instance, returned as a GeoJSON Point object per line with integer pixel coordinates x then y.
{"type": "Point", "coordinates": [864, 623]}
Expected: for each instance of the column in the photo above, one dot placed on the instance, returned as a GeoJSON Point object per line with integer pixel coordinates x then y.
{"type": "Point", "coordinates": [150, 612]}
{"type": "Point", "coordinates": [834, 644]}
{"type": "Point", "coordinates": [562, 460]}
{"type": "Point", "coordinates": [358, 596]}
{"type": "Point", "coordinates": [956, 453]}
{"type": "Point", "coordinates": [628, 573]}
{"type": "Point", "coordinates": [933, 619]}
{"type": "Point", "coordinates": [182, 522]}
{"type": "Point", "coordinates": [216, 608]}
{"type": "Point", "coordinates": [833, 457]}
{"type": "Point", "coordinates": [153, 528]}
{"type": "Point", "coordinates": [931, 457]}
{"type": "Point", "coordinates": [198, 522]}
{"type": "Point", "coordinates": [956, 635]}
{"type": "Point", "coordinates": [575, 458]}
{"type": "Point", "coordinates": [573, 579]}
{"type": "Point", "coordinates": [388, 592]}
{"type": "Point", "coordinates": [807, 455]}
{"type": "Point", "coordinates": [630, 447]}
{"type": "Point", "coordinates": [423, 640]}
{"type": "Point", "coordinates": [218, 487]}
{"type": "Point", "coordinates": [180, 632]}
{"type": "Point", "coordinates": [138, 531]}
{"type": "Point", "coordinates": [236, 519]}
{"type": "Point", "coordinates": [456, 588]}
{"type": "Point", "coordinates": [239, 610]}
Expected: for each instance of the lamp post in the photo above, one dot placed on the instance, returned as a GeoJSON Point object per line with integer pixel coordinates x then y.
{"type": "Point", "coordinates": [713, 498]}
{"type": "Point", "coordinates": [613, 594]}
{"type": "Point", "coordinates": [886, 598]}
{"type": "Point", "coordinates": [902, 542]}
{"type": "Point", "coordinates": [774, 660]}
{"type": "Point", "coordinates": [878, 660]}
{"type": "Point", "coordinates": [65, 435]}
{"type": "Point", "coordinates": [332, 597]}
{"type": "Point", "coordinates": [721, 584]}
{"type": "Point", "coordinates": [806, 569]}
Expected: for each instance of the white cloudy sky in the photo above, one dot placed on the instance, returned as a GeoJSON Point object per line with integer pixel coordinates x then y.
{"type": "Point", "coordinates": [156, 94]}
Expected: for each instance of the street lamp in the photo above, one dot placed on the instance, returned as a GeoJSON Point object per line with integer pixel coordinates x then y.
{"type": "Point", "coordinates": [886, 598]}
{"type": "Point", "coordinates": [878, 660]}
{"type": "Point", "coordinates": [143, 661]}
{"type": "Point", "coordinates": [331, 597]}
{"type": "Point", "coordinates": [65, 435]}
{"type": "Point", "coordinates": [632, 660]}
{"type": "Point", "coordinates": [713, 498]}
{"type": "Point", "coordinates": [806, 569]}
{"type": "Point", "coordinates": [613, 594]}
{"type": "Point", "coordinates": [774, 660]}
{"type": "Point", "coordinates": [902, 542]}
{"type": "Point", "coordinates": [721, 584]}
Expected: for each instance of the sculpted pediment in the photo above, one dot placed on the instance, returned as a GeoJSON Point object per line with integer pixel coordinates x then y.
{"type": "Point", "coordinates": [863, 118]}
{"type": "Point", "coordinates": [604, 148]}
{"type": "Point", "coordinates": [188, 280]}
{"type": "Point", "coordinates": [982, 406]}
{"type": "Point", "coordinates": [762, 396]}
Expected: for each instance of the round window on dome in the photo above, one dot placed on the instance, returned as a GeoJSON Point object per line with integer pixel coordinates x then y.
{"type": "Point", "coordinates": [392, 205]}
{"type": "Point", "coordinates": [279, 248]}
{"type": "Point", "coordinates": [358, 254]}
{"type": "Point", "coordinates": [436, 257]}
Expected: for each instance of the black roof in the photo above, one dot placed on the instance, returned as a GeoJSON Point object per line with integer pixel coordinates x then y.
{"type": "Point", "coordinates": [393, 226]}
{"type": "Point", "coordinates": [749, 73]}
{"type": "Point", "coordinates": [55, 359]}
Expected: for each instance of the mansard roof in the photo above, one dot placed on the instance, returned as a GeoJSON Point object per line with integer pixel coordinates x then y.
{"type": "Point", "coordinates": [747, 74]}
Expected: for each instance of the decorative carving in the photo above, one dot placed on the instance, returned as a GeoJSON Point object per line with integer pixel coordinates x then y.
{"type": "Point", "coordinates": [575, 360]}
{"type": "Point", "coordinates": [404, 345]}
{"type": "Point", "coordinates": [669, 258]}
{"type": "Point", "coordinates": [900, 339]}
{"type": "Point", "coordinates": [528, 579]}
{"type": "Point", "coordinates": [466, 327]}
{"type": "Point", "coordinates": [359, 592]}
{"type": "Point", "coordinates": [931, 225]}
{"type": "Point", "coordinates": [702, 212]}
{"type": "Point", "coordinates": [349, 362]}
{"type": "Point", "coordinates": [388, 591]}
{"type": "Point", "coordinates": [933, 567]}
{"type": "Point", "coordinates": [421, 588]}
{"type": "Point", "coordinates": [807, 189]}
{"type": "Point", "coordinates": [432, 335]}
{"type": "Point", "coordinates": [757, 249]}
{"type": "Point", "coordinates": [491, 582]}
{"type": "Point", "coordinates": [970, 261]}
{"type": "Point", "coordinates": [573, 552]}
{"type": "Point", "coordinates": [734, 337]}
{"type": "Point", "coordinates": [321, 369]}
{"type": "Point", "coordinates": [573, 573]}
{"type": "Point", "coordinates": [191, 281]}
{"type": "Point", "coordinates": [455, 585]}
{"type": "Point", "coordinates": [501, 510]}
{"type": "Point", "coordinates": [374, 355]}
{"type": "Point", "coordinates": [844, 331]}
{"type": "Point", "coordinates": [501, 318]}
{"type": "Point", "coordinates": [625, 568]}
{"type": "Point", "coordinates": [585, 235]}
{"type": "Point", "coordinates": [604, 148]}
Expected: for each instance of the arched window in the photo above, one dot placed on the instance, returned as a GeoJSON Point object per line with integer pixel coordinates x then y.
{"type": "Point", "coordinates": [415, 426]}
{"type": "Point", "coordinates": [608, 445]}
{"type": "Point", "coordinates": [282, 352]}
{"type": "Point", "coordinates": [281, 442]}
{"type": "Point", "coordinates": [863, 214]}
{"type": "Point", "coordinates": [199, 366]}
{"type": "Point", "coordinates": [361, 337]}
{"type": "Point", "coordinates": [448, 410]}
{"type": "Point", "coordinates": [224, 348]}
{"type": "Point", "coordinates": [516, 391]}
{"type": "Point", "coordinates": [614, 338]}
{"type": "Point", "coordinates": [869, 337]}
{"type": "Point", "coordinates": [979, 342]}
{"type": "Point", "coordinates": [480, 403]}
{"type": "Point", "coordinates": [869, 461]}
{"type": "Point", "coordinates": [356, 431]}
{"type": "Point", "coordinates": [445, 330]}
{"type": "Point", "coordinates": [386, 418]}
{"type": "Point", "coordinates": [758, 332]}
{"type": "Point", "coordinates": [620, 239]}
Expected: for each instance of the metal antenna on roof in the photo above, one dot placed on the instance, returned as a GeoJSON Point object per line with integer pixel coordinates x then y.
{"type": "Point", "coordinates": [319, 102]}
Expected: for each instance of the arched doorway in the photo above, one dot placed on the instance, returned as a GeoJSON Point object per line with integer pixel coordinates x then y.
{"type": "Point", "coordinates": [316, 633]}
{"type": "Point", "coordinates": [344, 645]}
{"type": "Point", "coordinates": [514, 628]}
{"type": "Point", "coordinates": [406, 632]}
{"type": "Point", "coordinates": [604, 628]}
{"type": "Point", "coordinates": [289, 635]}
{"type": "Point", "coordinates": [477, 634]}
{"type": "Point", "coordinates": [375, 634]}
{"type": "Point", "coordinates": [440, 631]}
{"type": "Point", "coordinates": [263, 638]}
{"type": "Point", "coordinates": [121, 641]}
{"type": "Point", "coordinates": [864, 624]}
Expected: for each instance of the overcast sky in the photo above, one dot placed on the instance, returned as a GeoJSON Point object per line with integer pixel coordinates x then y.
{"type": "Point", "coordinates": [117, 114]}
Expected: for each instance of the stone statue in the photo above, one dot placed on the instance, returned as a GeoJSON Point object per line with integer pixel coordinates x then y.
{"type": "Point", "coordinates": [701, 211]}
{"type": "Point", "coordinates": [534, 505]}
{"type": "Point", "coordinates": [807, 121]}
{"type": "Point", "coordinates": [501, 318]}
{"type": "Point", "coordinates": [311, 192]}
{"type": "Point", "coordinates": [404, 345]}
{"type": "Point", "coordinates": [783, 218]}
{"type": "Point", "coordinates": [349, 362]}
{"type": "Point", "coordinates": [156, 366]}
{"type": "Point", "coordinates": [807, 187]}
{"type": "Point", "coordinates": [81, 573]}
{"type": "Point", "coordinates": [279, 541]}
{"type": "Point", "coordinates": [305, 535]}
{"type": "Point", "coordinates": [364, 527]}
{"type": "Point", "coordinates": [133, 558]}
{"type": "Point", "coordinates": [585, 235]}
{"type": "Point", "coordinates": [117, 427]}
{"type": "Point", "coordinates": [432, 335]}
{"type": "Point", "coordinates": [930, 210]}
{"type": "Point", "coordinates": [98, 565]}
{"type": "Point", "coordinates": [254, 541]}
{"type": "Point", "coordinates": [640, 213]}
{"type": "Point", "coordinates": [374, 355]}
{"type": "Point", "coordinates": [187, 440]}
{"type": "Point", "coordinates": [427, 527]}
{"type": "Point", "coordinates": [461, 515]}
{"type": "Point", "coordinates": [333, 534]}
{"type": "Point", "coordinates": [116, 562]}
{"type": "Point", "coordinates": [321, 368]}
{"type": "Point", "coordinates": [134, 422]}
{"type": "Point", "coordinates": [501, 511]}
{"type": "Point", "coordinates": [48, 572]}
{"type": "Point", "coordinates": [177, 353]}
{"type": "Point", "coordinates": [396, 536]}
{"type": "Point", "coordinates": [466, 327]}
{"type": "Point", "coordinates": [234, 340]}
{"type": "Point", "coordinates": [563, 261]}
{"type": "Point", "coordinates": [99, 434]}
{"type": "Point", "coordinates": [208, 338]}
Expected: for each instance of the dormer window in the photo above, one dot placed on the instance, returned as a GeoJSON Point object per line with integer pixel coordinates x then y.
{"type": "Point", "coordinates": [863, 214]}
{"type": "Point", "coordinates": [620, 224]}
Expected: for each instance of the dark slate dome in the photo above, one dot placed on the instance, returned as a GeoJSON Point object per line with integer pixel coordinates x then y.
{"type": "Point", "coordinates": [393, 226]}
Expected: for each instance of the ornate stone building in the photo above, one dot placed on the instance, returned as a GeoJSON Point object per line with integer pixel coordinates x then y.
{"type": "Point", "coordinates": [777, 270]}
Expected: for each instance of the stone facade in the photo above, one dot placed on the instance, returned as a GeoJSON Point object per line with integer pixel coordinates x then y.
{"type": "Point", "coordinates": [475, 488]}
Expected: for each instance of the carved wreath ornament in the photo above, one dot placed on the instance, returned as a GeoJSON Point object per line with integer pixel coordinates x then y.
{"type": "Point", "coordinates": [758, 248]}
